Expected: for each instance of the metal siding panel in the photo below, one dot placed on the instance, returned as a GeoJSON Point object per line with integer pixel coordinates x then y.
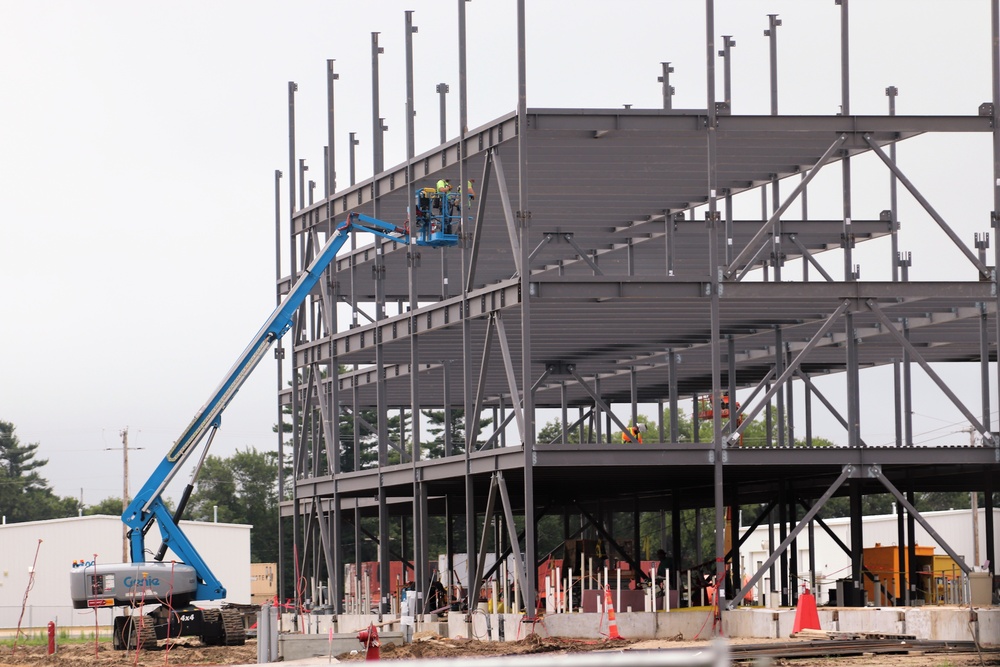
{"type": "Point", "coordinates": [226, 548]}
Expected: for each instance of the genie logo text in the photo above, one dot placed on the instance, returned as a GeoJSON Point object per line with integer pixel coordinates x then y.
{"type": "Point", "coordinates": [143, 581]}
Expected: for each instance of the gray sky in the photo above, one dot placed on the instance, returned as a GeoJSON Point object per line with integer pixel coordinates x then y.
{"type": "Point", "coordinates": [138, 145]}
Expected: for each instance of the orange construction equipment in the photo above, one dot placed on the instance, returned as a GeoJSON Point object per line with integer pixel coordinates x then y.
{"type": "Point", "coordinates": [706, 407]}
{"type": "Point", "coordinates": [806, 616]}
{"type": "Point", "coordinates": [612, 623]}
{"type": "Point", "coordinates": [706, 410]}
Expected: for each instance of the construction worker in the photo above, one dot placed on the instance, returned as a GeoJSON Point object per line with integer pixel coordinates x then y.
{"type": "Point", "coordinates": [425, 196]}
{"type": "Point", "coordinates": [444, 202]}
{"type": "Point", "coordinates": [634, 432]}
{"type": "Point", "coordinates": [470, 189]}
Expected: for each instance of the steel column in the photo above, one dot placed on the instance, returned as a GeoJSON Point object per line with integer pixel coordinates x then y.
{"type": "Point", "coordinates": [668, 90]}
{"type": "Point", "coordinates": [377, 150]}
{"type": "Point", "coordinates": [672, 388]}
{"type": "Point", "coordinates": [293, 272]}
{"type": "Point", "coordinates": [857, 538]}
{"type": "Point", "coordinates": [331, 154]}
{"type": "Point", "coordinates": [772, 34]}
{"type": "Point", "coordinates": [420, 525]}
{"type": "Point", "coordinates": [726, 54]}
{"type": "Point", "coordinates": [716, 278]}
{"type": "Point", "coordinates": [528, 441]}
{"type": "Point", "coordinates": [995, 215]}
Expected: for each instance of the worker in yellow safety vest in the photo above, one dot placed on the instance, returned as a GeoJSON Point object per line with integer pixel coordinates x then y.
{"type": "Point", "coordinates": [444, 185]}
{"type": "Point", "coordinates": [470, 189]}
{"type": "Point", "coordinates": [636, 436]}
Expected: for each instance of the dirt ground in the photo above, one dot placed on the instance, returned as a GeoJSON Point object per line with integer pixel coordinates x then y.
{"type": "Point", "coordinates": [437, 647]}
{"type": "Point", "coordinates": [432, 646]}
{"type": "Point", "coordinates": [79, 655]}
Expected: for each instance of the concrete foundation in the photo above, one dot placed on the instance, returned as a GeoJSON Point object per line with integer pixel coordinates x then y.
{"type": "Point", "coordinates": [296, 647]}
{"type": "Point", "coordinates": [934, 623]}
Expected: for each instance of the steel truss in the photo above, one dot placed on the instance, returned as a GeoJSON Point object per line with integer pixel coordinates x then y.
{"type": "Point", "coordinates": [536, 310]}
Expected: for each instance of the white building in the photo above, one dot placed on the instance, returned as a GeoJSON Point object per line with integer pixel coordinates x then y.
{"type": "Point", "coordinates": [59, 542]}
{"type": "Point", "coordinates": [832, 563]}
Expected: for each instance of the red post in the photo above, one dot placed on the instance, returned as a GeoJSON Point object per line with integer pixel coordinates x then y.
{"type": "Point", "coordinates": [52, 637]}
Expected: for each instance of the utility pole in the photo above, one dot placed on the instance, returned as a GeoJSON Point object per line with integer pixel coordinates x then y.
{"type": "Point", "coordinates": [125, 495]}
{"type": "Point", "coordinates": [124, 435]}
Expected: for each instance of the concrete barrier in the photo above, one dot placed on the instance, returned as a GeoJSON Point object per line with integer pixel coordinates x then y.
{"type": "Point", "coordinates": [940, 623]}
{"type": "Point", "coordinates": [758, 622]}
{"type": "Point", "coordinates": [880, 620]}
{"type": "Point", "coordinates": [933, 623]}
{"type": "Point", "coordinates": [989, 627]}
{"type": "Point", "coordinates": [296, 647]}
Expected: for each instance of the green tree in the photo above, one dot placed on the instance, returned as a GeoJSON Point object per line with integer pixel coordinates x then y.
{"type": "Point", "coordinates": [552, 433]}
{"type": "Point", "coordinates": [243, 489]}
{"type": "Point", "coordinates": [112, 505]}
{"type": "Point", "coordinates": [24, 494]}
{"type": "Point", "coordinates": [685, 427]}
{"type": "Point", "coordinates": [435, 447]}
{"type": "Point", "coordinates": [215, 491]}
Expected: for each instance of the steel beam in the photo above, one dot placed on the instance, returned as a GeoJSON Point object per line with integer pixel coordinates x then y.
{"type": "Point", "coordinates": [747, 587]}
{"type": "Point", "coordinates": [482, 197]}
{"type": "Point", "coordinates": [808, 256]}
{"type": "Point", "coordinates": [829, 406]}
{"type": "Point", "coordinates": [519, 572]}
{"type": "Point", "coordinates": [984, 270]}
{"type": "Point", "coordinates": [792, 367]}
{"type": "Point", "coordinates": [598, 401]}
{"type": "Point", "coordinates": [876, 472]}
{"type": "Point", "coordinates": [508, 214]}
{"type": "Point", "coordinates": [891, 328]}
{"type": "Point", "coordinates": [484, 365]}
{"type": "Point", "coordinates": [769, 225]}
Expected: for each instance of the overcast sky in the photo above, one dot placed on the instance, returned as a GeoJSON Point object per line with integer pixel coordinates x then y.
{"type": "Point", "coordinates": [138, 145]}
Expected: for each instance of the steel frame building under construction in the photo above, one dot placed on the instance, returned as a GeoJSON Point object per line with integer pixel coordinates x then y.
{"type": "Point", "coordinates": [583, 218]}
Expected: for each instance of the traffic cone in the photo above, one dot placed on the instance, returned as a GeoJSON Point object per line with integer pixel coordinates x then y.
{"type": "Point", "coordinates": [806, 616]}
{"type": "Point", "coordinates": [612, 623]}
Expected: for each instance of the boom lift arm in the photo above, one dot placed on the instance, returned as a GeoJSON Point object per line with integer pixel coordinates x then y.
{"type": "Point", "coordinates": [148, 505]}
{"type": "Point", "coordinates": [127, 584]}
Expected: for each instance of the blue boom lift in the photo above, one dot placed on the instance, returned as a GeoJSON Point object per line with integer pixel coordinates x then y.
{"type": "Point", "coordinates": [175, 586]}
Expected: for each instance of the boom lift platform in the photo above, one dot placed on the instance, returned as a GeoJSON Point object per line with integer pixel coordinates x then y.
{"type": "Point", "coordinates": [175, 586]}
{"type": "Point", "coordinates": [706, 410]}
{"type": "Point", "coordinates": [438, 216]}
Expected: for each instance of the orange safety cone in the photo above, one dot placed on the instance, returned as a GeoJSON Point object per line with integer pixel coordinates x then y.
{"type": "Point", "coordinates": [806, 616]}
{"type": "Point", "coordinates": [612, 623]}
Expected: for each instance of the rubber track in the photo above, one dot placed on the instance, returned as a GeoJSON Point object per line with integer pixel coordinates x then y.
{"type": "Point", "coordinates": [232, 622]}
{"type": "Point", "coordinates": [147, 636]}
{"type": "Point", "coordinates": [211, 618]}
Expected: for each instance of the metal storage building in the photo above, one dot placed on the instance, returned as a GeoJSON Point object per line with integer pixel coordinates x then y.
{"type": "Point", "coordinates": [59, 542]}
{"type": "Point", "coordinates": [832, 563]}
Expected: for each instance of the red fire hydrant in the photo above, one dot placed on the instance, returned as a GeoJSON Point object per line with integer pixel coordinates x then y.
{"type": "Point", "coordinates": [369, 638]}
{"type": "Point", "coordinates": [52, 637]}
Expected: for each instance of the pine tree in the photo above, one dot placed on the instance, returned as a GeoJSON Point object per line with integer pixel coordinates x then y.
{"type": "Point", "coordinates": [24, 494]}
